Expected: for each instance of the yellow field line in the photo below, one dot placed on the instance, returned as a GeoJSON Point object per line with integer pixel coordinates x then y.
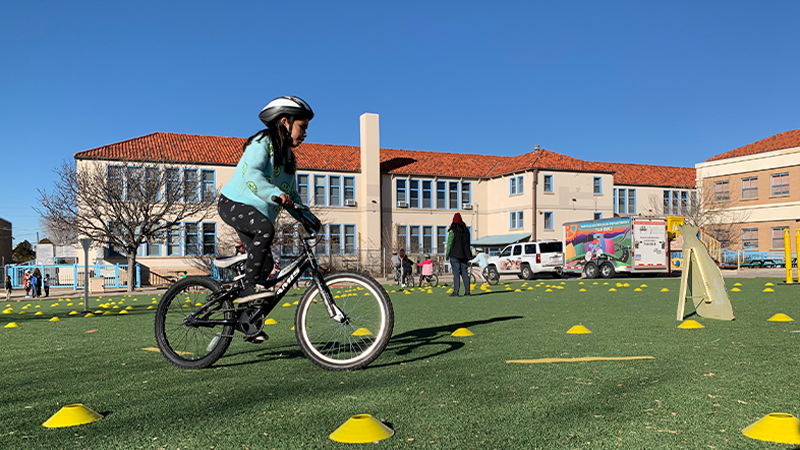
{"type": "Point", "coordinates": [581, 359]}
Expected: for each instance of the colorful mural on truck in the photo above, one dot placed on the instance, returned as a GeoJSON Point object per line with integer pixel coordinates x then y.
{"type": "Point", "coordinates": [597, 241]}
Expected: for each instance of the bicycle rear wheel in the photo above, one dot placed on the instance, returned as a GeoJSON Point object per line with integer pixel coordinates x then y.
{"type": "Point", "coordinates": [430, 281]}
{"type": "Point", "coordinates": [190, 347]}
{"type": "Point", "coordinates": [491, 274]}
{"type": "Point", "coordinates": [361, 338]}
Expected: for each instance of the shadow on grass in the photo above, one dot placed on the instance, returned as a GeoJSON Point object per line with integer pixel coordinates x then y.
{"type": "Point", "coordinates": [410, 344]}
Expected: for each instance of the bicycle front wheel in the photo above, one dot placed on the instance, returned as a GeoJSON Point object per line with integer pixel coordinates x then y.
{"type": "Point", "coordinates": [186, 346]}
{"type": "Point", "coordinates": [430, 281]}
{"type": "Point", "coordinates": [357, 341]}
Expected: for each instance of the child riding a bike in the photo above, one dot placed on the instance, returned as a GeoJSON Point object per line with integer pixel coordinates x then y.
{"type": "Point", "coordinates": [407, 266]}
{"type": "Point", "coordinates": [480, 260]}
{"type": "Point", "coordinates": [266, 170]}
{"type": "Point", "coordinates": [427, 269]}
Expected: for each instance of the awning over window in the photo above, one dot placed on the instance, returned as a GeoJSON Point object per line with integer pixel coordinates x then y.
{"type": "Point", "coordinates": [500, 239]}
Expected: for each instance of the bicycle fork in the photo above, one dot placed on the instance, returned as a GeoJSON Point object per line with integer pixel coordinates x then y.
{"type": "Point", "coordinates": [327, 299]}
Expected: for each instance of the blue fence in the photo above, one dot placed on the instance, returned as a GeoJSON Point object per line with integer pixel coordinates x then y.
{"type": "Point", "coordinates": [71, 276]}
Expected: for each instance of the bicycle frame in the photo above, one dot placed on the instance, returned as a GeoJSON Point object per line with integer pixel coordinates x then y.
{"type": "Point", "coordinates": [289, 275]}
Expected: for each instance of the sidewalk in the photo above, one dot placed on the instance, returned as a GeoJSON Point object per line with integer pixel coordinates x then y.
{"type": "Point", "coordinates": [55, 294]}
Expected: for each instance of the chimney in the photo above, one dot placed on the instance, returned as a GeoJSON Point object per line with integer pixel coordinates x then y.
{"type": "Point", "coordinates": [369, 189]}
{"type": "Point", "coordinates": [536, 148]}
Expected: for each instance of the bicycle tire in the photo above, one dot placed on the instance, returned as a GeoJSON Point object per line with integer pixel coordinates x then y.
{"type": "Point", "coordinates": [492, 275]}
{"type": "Point", "coordinates": [180, 344]}
{"type": "Point", "coordinates": [352, 345]}
{"type": "Point", "coordinates": [430, 281]}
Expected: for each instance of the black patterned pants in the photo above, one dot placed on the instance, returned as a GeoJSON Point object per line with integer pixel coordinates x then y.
{"type": "Point", "coordinates": [256, 232]}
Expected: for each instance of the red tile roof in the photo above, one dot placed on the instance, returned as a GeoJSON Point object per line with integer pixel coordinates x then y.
{"type": "Point", "coordinates": [780, 141]}
{"type": "Point", "coordinates": [216, 150]}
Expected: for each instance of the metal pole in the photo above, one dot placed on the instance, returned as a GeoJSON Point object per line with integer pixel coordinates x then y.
{"type": "Point", "coordinates": [787, 244]}
{"type": "Point", "coordinates": [85, 281]}
{"type": "Point", "coordinates": [383, 259]}
{"type": "Point", "coordinates": [797, 251]}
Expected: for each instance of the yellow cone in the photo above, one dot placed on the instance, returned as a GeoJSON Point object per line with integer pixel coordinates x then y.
{"type": "Point", "coordinates": [768, 290]}
{"type": "Point", "coordinates": [107, 313]}
{"type": "Point", "coordinates": [55, 319]}
{"type": "Point", "coordinates": [612, 290]}
{"type": "Point", "coordinates": [72, 415]}
{"type": "Point", "coordinates": [123, 312]}
{"type": "Point", "coordinates": [637, 290]}
{"type": "Point", "coordinates": [690, 325]}
{"type": "Point", "coordinates": [780, 317]}
{"type": "Point", "coordinates": [361, 429]}
{"type": "Point", "coordinates": [89, 315]}
{"type": "Point", "coordinates": [578, 329]}
{"type": "Point", "coordinates": [73, 313]}
{"type": "Point", "coordinates": [23, 312]}
{"type": "Point", "coordinates": [462, 332]}
{"type": "Point", "coordinates": [362, 332]}
{"type": "Point", "coordinates": [768, 284]}
{"type": "Point", "coordinates": [737, 284]}
{"type": "Point", "coordinates": [582, 290]}
{"type": "Point", "coordinates": [270, 321]}
{"type": "Point", "coordinates": [643, 285]}
{"type": "Point", "coordinates": [736, 290]}
{"type": "Point", "coordinates": [151, 307]}
{"type": "Point", "coordinates": [286, 304]}
{"type": "Point", "coordinates": [776, 427]}
{"type": "Point", "coordinates": [665, 290]}
{"type": "Point", "coordinates": [548, 290]}
{"type": "Point", "coordinates": [39, 313]}
{"type": "Point", "coordinates": [11, 325]}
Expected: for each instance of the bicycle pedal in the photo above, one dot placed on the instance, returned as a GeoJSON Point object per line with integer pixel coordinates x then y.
{"type": "Point", "coordinates": [258, 338]}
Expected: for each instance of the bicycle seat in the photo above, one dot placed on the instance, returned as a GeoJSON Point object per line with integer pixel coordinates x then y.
{"type": "Point", "coordinates": [229, 260]}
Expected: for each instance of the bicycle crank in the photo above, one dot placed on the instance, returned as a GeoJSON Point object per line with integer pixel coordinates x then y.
{"type": "Point", "coordinates": [251, 321]}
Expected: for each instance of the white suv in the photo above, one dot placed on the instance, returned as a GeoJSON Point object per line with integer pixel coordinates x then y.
{"type": "Point", "coordinates": [528, 259]}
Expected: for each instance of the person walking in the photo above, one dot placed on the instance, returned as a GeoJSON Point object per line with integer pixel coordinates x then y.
{"type": "Point", "coordinates": [458, 253]}
{"type": "Point", "coordinates": [26, 283]}
{"type": "Point", "coordinates": [34, 284]}
{"type": "Point", "coordinates": [480, 260]}
{"type": "Point", "coordinates": [8, 289]}
{"type": "Point", "coordinates": [46, 285]}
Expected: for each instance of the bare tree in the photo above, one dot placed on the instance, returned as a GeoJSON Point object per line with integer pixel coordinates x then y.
{"type": "Point", "coordinates": [714, 212]}
{"type": "Point", "coordinates": [60, 234]}
{"type": "Point", "coordinates": [125, 205]}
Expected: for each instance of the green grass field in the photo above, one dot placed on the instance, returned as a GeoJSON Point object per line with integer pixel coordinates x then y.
{"type": "Point", "coordinates": [434, 390]}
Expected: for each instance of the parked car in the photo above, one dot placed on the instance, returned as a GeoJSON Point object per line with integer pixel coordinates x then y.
{"type": "Point", "coordinates": [529, 259]}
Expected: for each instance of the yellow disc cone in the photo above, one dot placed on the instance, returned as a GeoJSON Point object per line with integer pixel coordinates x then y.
{"type": "Point", "coordinates": [580, 282]}
{"type": "Point", "coordinates": [89, 315]}
{"type": "Point", "coordinates": [768, 290]}
{"type": "Point", "coordinates": [107, 313]}
{"type": "Point", "coordinates": [72, 415]}
{"type": "Point", "coordinates": [776, 427]}
{"type": "Point", "coordinates": [270, 321]}
{"type": "Point", "coordinates": [361, 429]}
{"type": "Point", "coordinates": [690, 325]}
{"type": "Point", "coordinates": [780, 317]}
{"type": "Point", "coordinates": [23, 312]}
{"type": "Point", "coordinates": [736, 290]}
{"type": "Point", "coordinates": [151, 307]}
{"type": "Point", "coordinates": [768, 284]}
{"type": "Point", "coordinates": [286, 304]}
{"type": "Point", "coordinates": [73, 313]}
{"type": "Point", "coordinates": [582, 290]}
{"type": "Point", "coordinates": [612, 290]}
{"type": "Point", "coordinates": [637, 290]}
{"type": "Point", "coordinates": [123, 311]}
{"type": "Point", "coordinates": [643, 285]}
{"type": "Point", "coordinates": [737, 284]}
{"type": "Point", "coordinates": [39, 313]}
{"type": "Point", "coordinates": [297, 302]}
{"type": "Point", "coordinates": [70, 304]}
{"type": "Point", "coordinates": [578, 329]}
{"type": "Point", "coordinates": [517, 290]}
{"type": "Point", "coordinates": [548, 290]}
{"type": "Point", "coordinates": [462, 332]}
{"type": "Point", "coordinates": [11, 325]}
{"type": "Point", "coordinates": [665, 290]}
{"type": "Point", "coordinates": [55, 319]}
{"type": "Point", "coordinates": [362, 332]}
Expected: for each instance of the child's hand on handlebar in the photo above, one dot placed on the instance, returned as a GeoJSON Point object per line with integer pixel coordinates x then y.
{"type": "Point", "coordinates": [286, 201]}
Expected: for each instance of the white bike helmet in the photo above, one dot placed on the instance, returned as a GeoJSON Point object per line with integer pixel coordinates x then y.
{"type": "Point", "coordinates": [294, 107]}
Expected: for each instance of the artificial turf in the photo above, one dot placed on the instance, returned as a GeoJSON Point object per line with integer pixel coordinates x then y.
{"type": "Point", "coordinates": [436, 391]}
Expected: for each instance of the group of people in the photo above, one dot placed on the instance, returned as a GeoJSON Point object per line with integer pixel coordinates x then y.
{"type": "Point", "coordinates": [33, 283]}
{"type": "Point", "coordinates": [458, 252]}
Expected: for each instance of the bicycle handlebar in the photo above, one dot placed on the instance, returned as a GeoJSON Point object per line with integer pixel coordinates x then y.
{"type": "Point", "coordinates": [307, 224]}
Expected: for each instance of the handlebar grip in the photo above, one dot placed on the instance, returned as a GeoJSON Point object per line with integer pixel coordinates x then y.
{"type": "Point", "coordinates": [307, 224]}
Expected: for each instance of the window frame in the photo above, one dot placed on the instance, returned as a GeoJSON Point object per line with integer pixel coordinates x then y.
{"type": "Point", "coordinates": [174, 231]}
{"type": "Point", "coordinates": [348, 237]}
{"type": "Point", "coordinates": [173, 188]}
{"type": "Point", "coordinates": [450, 191]}
{"type": "Point", "coordinates": [206, 184]}
{"type": "Point", "coordinates": [191, 195]}
{"type": "Point", "coordinates": [597, 185]}
{"type": "Point", "coordinates": [545, 219]}
{"type": "Point", "coordinates": [187, 234]}
{"type": "Point", "coordinates": [349, 191]}
{"type": "Point", "coordinates": [718, 197]}
{"type": "Point", "coordinates": [324, 194]}
{"type": "Point", "coordinates": [747, 237]}
{"type": "Point", "coordinates": [467, 191]}
{"type": "Point", "coordinates": [547, 184]}
{"type": "Point", "coordinates": [426, 192]}
{"type": "Point", "coordinates": [441, 239]}
{"type": "Point", "coordinates": [403, 190]}
{"type": "Point", "coordinates": [441, 189]}
{"type": "Point", "coordinates": [402, 239]}
{"type": "Point", "coordinates": [205, 234]}
{"type": "Point", "coordinates": [338, 187]}
{"type": "Point", "coordinates": [773, 185]}
{"type": "Point", "coordinates": [750, 189]}
{"type": "Point", "coordinates": [302, 188]}
{"type": "Point", "coordinates": [773, 238]}
{"type": "Point", "coordinates": [413, 193]}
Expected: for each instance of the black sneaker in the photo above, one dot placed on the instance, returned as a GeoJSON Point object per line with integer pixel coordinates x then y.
{"type": "Point", "coordinates": [467, 294]}
{"type": "Point", "coordinates": [454, 294]}
{"type": "Point", "coordinates": [251, 293]}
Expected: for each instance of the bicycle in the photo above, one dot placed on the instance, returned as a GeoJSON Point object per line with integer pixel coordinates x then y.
{"type": "Point", "coordinates": [428, 280]}
{"type": "Point", "coordinates": [490, 273]}
{"type": "Point", "coordinates": [196, 318]}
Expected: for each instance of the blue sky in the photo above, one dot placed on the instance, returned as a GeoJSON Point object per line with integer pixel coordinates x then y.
{"type": "Point", "coordinates": [626, 81]}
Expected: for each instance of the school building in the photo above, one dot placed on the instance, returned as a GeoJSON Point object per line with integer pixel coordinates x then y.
{"type": "Point", "coordinates": [760, 181]}
{"type": "Point", "coordinates": [373, 200]}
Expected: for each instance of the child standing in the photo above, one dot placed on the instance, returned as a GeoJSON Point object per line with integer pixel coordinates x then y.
{"type": "Point", "coordinates": [47, 285]}
{"type": "Point", "coordinates": [8, 289]}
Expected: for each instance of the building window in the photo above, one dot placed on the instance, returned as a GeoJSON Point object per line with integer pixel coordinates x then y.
{"type": "Point", "coordinates": [441, 194]}
{"type": "Point", "coordinates": [190, 185]}
{"type": "Point", "coordinates": [349, 188]}
{"type": "Point", "coordinates": [209, 187]}
{"type": "Point", "coordinates": [209, 238]}
{"type": "Point", "coordinates": [548, 183]}
{"type": "Point", "coordinates": [512, 189]}
{"type": "Point", "coordinates": [621, 197]}
{"type": "Point", "coordinates": [116, 229]}
{"type": "Point", "coordinates": [336, 239]}
{"type": "Point", "coordinates": [133, 184]}
{"type": "Point", "coordinates": [598, 216]}
{"type": "Point", "coordinates": [191, 240]}
{"type": "Point", "coordinates": [427, 193]}
{"type": "Point", "coordinates": [334, 191]}
{"type": "Point", "coordinates": [401, 191]}
{"type": "Point", "coordinates": [453, 192]}
{"type": "Point", "coordinates": [319, 190]}
{"type": "Point", "coordinates": [427, 239]}
{"type": "Point", "coordinates": [721, 191]}
{"type": "Point", "coordinates": [114, 182]}
{"type": "Point", "coordinates": [516, 220]}
{"type": "Point", "coordinates": [631, 201]}
{"type": "Point", "coordinates": [174, 240]}
{"type": "Point", "coordinates": [548, 220]}
{"type": "Point", "coordinates": [667, 209]}
{"type": "Point", "coordinates": [750, 187]}
{"type": "Point", "coordinates": [520, 186]}
{"type": "Point", "coordinates": [349, 239]}
{"type": "Point", "coordinates": [441, 240]}
{"type": "Point", "coordinates": [173, 183]}
{"type": "Point", "coordinates": [780, 184]}
{"type": "Point", "coordinates": [684, 202]}
{"type": "Point", "coordinates": [597, 185]}
{"type": "Point", "coordinates": [413, 242]}
{"type": "Point", "coordinates": [413, 193]}
{"type": "Point", "coordinates": [302, 188]}
{"type": "Point", "coordinates": [777, 237]}
{"type": "Point", "coordinates": [402, 234]}
{"type": "Point", "coordinates": [723, 237]}
{"type": "Point", "coordinates": [466, 192]}
{"type": "Point", "coordinates": [750, 239]}
{"type": "Point", "coordinates": [321, 247]}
